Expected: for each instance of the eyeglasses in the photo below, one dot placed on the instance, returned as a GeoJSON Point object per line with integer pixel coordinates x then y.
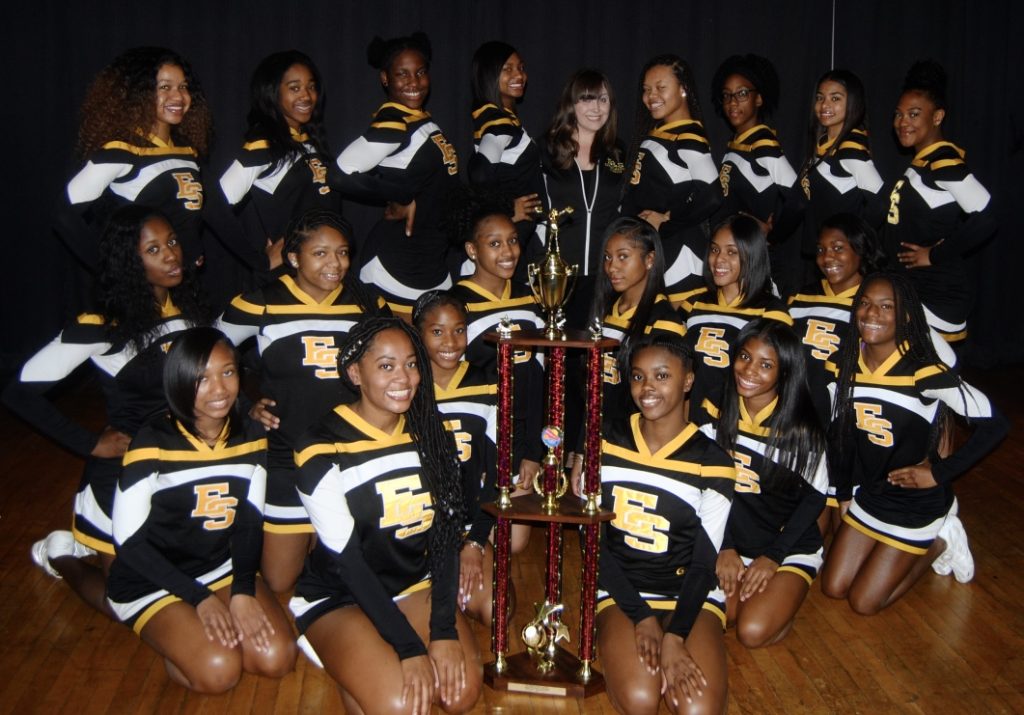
{"type": "Point", "coordinates": [740, 95]}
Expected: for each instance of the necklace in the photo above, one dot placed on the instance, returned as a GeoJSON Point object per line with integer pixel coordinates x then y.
{"type": "Point", "coordinates": [589, 206]}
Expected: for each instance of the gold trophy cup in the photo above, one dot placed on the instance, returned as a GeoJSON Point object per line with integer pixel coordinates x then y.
{"type": "Point", "coordinates": [552, 280]}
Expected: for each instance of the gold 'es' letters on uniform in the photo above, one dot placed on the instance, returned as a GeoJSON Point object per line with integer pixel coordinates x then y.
{"type": "Point", "coordinates": [712, 347]}
{"type": "Point", "coordinates": [448, 155]}
{"type": "Point", "coordinates": [405, 506]}
{"type": "Point", "coordinates": [321, 353]}
{"type": "Point", "coordinates": [319, 175]}
{"type": "Point", "coordinates": [212, 505]}
{"type": "Point", "coordinates": [189, 190]}
{"type": "Point", "coordinates": [821, 336]}
{"type": "Point", "coordinates": [645, 530]}
{"type": "Point", "coordinates": [869, 419]}
{"type": "Point", "coordinates": [747, 480]}
{"type": "Point", "coordinates": [463, 439]}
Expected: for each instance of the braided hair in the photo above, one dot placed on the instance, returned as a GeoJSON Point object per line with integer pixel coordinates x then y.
{"type": "Point", "coordinates": [434, 444]}
{"type": "Point", "coordinates": [435, 299]}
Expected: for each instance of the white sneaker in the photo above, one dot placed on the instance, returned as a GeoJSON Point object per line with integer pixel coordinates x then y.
{"type": "Point", "coordinates": [56, 545]}
{"type": "Point", "coordinates": [957, 557]}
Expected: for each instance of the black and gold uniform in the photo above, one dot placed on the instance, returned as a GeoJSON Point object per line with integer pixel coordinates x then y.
{"type": "Point", "coordinates": [712, 324]}
{"type": "Point", "coordinates": [840, 179]}
{"type": "Point", "coordinates": [774, 512]}
{"type": "Point", "coordinates": [153, 173]}
{"type": "Point", "coordinates": [298, 340]}
{"type": "Point", "coordinates": [939, 204]}
{"type": "Point", "coordinates": [757, 179]}
{"type": "Point", "coordinates": [267, 194]}
{"type": "Point", "coordinates": [895, 411]}
{"type": "Point", "coordinates": [132, 384]}
{"type": "Point", "coordinates": [675, 173]}
{"type": "Point", "coordinates": [671, 508]}
{"type": "Point", "coordinates": [187, 518]}
{"type": "Point", "coordinates": [484, 311]}
{"type": "Point", "coordinates": [369, 502]}
{"type": "Point", "coordinates": [469, 406]}
{"type": "Point", "coordinates": [403, 156]}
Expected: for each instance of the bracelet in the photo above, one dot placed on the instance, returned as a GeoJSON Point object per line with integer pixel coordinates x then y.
{"type": "Point", "coordinates": [473, 544]}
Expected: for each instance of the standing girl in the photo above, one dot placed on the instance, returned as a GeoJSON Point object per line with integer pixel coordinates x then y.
{"type": "Point", "coordinates": [376, 602]}
{"type": "Point", "coordinates": [187, 525]}
{"type": "Point", "coordinates": [893, 400]}
{"type": "Point", "coordinates": [772, 548]}
{"type": "Point", "coordinates": [674, 185]}
{"type": "Point", "coordinates": [403, 159]}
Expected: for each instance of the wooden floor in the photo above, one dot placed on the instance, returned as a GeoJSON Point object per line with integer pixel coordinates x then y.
{"type": "Point", "coordinates": [945, 647]}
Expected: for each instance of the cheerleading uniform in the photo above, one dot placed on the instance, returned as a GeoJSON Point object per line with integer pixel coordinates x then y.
{"type": "Point", "coordinates": [186, 518]}
{"type": "Point", "coordinates": [675, 173]}
{"type": "Point", "coordinates": [712, 325]}
{"type": "Point", "coordinates": [896, 408]}
{"type": "Point", "coordinates": [368, 500]}
{"type": "Point", "coordinates": [671, 508]}
{"type": "Point", "coordinates": [153, 173]}
{"type": "Point", "coordinates": [132, 384]}
{"type": "Point", "coordinates": [267, 194]}
{"type": "Point", "coordinates": [403, 156]}
{"type": "Point", "coordinates": [773, 514]}
{"type": "Point", "coordinates": [938, 203]}
{"type": "Point", "coordinates": [298, 339]}
{"type": "Point", "coordinates": [469, 406]}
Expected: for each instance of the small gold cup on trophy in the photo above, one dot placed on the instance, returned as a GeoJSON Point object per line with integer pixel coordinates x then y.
{"type": "Point", "coordinates": [552, 280]}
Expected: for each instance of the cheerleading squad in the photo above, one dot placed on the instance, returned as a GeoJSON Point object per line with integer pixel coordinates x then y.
{"type": "Point", "coordinates": [785, 377]}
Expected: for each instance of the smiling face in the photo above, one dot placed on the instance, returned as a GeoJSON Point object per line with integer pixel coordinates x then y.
{"type": "Point", "coordinates": [876, 316]}
{"type": "Point", "coordinates": [664, 96]}
{"type": "Point", "coordinates": [830, 107]}
{"type": "Point", "coordinates": [387, 376]}
{"type": "Point", "coordinates": [495, 250]}
{"type": "Point", "coordinates": [444, 336]}
{"type": "Point", "coordinates": [756, 373]}
{"type": "Point", "coordinates": [407, 79]}
{"type": "Point", "coordinates": [724, 261]}
{"type": "Point", "coordinates": [626, 264]}
{"type": "Point", "coordinates": [321, 262]}
{"type": "Point", "coordinates": [917, 121]}
{"type": "Point", "coordinates": [740, 102]}
{"type": "Point", "coordinates": [297, 95]}
{"type": "Point", "coordinates": [512, 80]}
{"type": "Point", "coordinates": [837, 260]}
{"type": "Point", "coordinates": [161, 257]}
{"type": "Point", "coordinates": [658, 383]}
{"type": "Point", "coordinates": [172, 100]}
{"type": "Point", "coordinates": [592, 114]}
{"type": "Point", "coordinates": [216, 390]}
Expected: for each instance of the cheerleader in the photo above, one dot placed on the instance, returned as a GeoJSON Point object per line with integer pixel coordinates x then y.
{"type": "Point", "coordinates": [490, 296]}
{"type": "Point", "coordinates": [660, 613]}
{"type": "Point", "coordinates": [838, 176]}
{"type": "Point", "coordinates": [674, 185]}
{"type": "Point", "coordinates": [376, 603]}
{"type": "Point", "coordinates": [755, 175]}
{"type": "Point", "coordinates": [772, 549]}
{"type": "Point", "coordinates": [298, 322]}
{"type": "Point", "coordinates": [938, 210]}
{"type": "Point", "coordinates": [282, 168]}
{"type": "Point", "coordinates": [145, 126]}
{"type": "Point", "coordinates": [505, 159]}
{"type": "Point", "coordinates": [186, 525]}
{"type": "Point", "coordinates": [147, 295]}
{"type": "Point", "coordinates": [738, 289]}
{"type": "Point", "coordinates": [403, 159]}
{"type": "Point", "coordinates": [893, 397]}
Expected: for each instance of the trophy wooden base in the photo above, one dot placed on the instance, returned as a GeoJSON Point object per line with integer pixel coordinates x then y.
{"type": "Point", "coordinates": [521, 675]}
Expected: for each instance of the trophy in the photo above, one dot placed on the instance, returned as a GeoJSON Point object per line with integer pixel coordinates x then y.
{"type": "Point", "coordinates": [552, 280]}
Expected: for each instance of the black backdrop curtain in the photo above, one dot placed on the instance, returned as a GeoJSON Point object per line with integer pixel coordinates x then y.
{"type": "Point", "coordinates": [53, 50]}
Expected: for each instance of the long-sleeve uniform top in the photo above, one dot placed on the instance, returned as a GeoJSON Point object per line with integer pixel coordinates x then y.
{"type": "Point", "coordinates": [938, 203]}
{"type": "Point", "coordinates": [368, 500]}
{"type": "Point", "coordinates": [671, 508]}
{"type": "Point", "coordinates": [184, 508]}
{"type": "Point", "coordinates": [773, 515]}
{"type": "Point", "coordinates": [675, 173]}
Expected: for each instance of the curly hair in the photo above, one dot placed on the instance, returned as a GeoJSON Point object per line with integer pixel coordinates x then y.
{"type": "Point", "coordinates": [434, 444]}
{"type": "Point", "coordinates": [266, 120]}
{"type": "Point", "coordinates": [759, 71]}
{"type": "Point", "coordinates": [125, 296]}
{"type": "Point", "coordinates": [121, 101]}
{"type": "Point", "coordinates": [584, 85]}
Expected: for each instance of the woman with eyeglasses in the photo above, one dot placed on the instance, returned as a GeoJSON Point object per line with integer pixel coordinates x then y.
{"type": "Point", "coordinates": [756, 177]}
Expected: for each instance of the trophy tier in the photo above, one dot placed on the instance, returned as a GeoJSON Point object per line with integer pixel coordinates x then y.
{"type": "Point", "coordinates": [534, 337]}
